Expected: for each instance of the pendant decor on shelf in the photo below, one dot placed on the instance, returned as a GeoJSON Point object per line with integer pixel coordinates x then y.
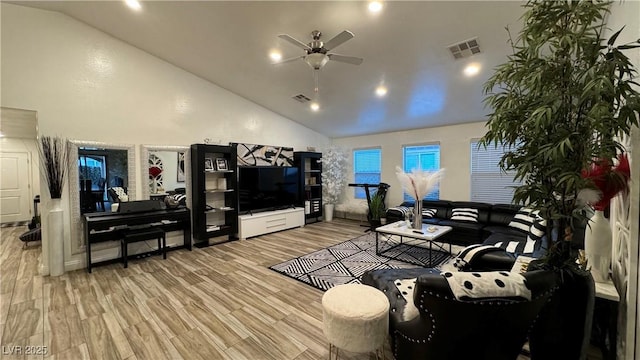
{"type": "Point", "coordinates": [264, 155]}
{"type": "Point", "coordinates": [597, 246]}
{"type": "Point", "coordinates": [54, 160]}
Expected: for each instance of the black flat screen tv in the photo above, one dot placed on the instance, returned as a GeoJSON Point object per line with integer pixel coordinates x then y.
{"type": "Point", "coordinates": [263, 188]}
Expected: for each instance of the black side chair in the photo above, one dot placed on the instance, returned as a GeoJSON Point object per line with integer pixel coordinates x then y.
{"type": "Point", "coordinates": [487, 329]}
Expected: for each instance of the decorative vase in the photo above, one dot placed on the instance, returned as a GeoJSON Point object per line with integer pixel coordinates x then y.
{"type": "Point", "coordinates": [328, 212]}
{"type": "Point", "coordinates": [417, 214]}
{"type": "Point", "coordinates": [56, 238]}
{"type": "Point", "coordinates": [597, 246]}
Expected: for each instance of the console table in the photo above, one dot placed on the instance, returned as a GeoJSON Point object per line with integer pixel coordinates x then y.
{"type": "Point", "coordinates": [100, 227]}
{"type": "Point", "coordinates": [269, 221]}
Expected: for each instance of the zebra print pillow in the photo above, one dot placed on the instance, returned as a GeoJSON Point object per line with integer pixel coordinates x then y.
{"type": "Point", "coordinates": [523, 219]}
{"type": "Point", "coordinates": [429, 213]}
{"type": "Point", "coordinates": [464, 214]}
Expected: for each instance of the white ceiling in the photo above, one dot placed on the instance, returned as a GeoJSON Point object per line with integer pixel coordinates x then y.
{"type": "Point", "coordinates": [404, 47]}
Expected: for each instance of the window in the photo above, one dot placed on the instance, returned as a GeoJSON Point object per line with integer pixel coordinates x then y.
{"type": "Point", "coordinates": [488, 182]}
{"type": "Point", "coordinates": [423, 157]}
{"type": "Point", "coordinates": [366, 169]}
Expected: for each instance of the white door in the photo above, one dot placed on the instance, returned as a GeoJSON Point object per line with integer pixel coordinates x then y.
{"type": "Point", "coordinates": [15, 204]}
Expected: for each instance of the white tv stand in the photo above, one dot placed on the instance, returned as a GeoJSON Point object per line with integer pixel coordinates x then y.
{"type": "Point", "coordinates": [250, 225]}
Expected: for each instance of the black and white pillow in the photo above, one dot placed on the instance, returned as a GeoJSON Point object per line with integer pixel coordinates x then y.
{"type": "Point", "coordinates": [523, 219]}
{"type": "Point", "coordinates": [532, 246]}
{"type": "Point", "coordinates": [429, 213]}
{"type": "Point", "coordinates": [400, 211]}
{"type": "Point", "coordinates": [464, 214]}
{"type": "Point", "coordinates": [181, 199]}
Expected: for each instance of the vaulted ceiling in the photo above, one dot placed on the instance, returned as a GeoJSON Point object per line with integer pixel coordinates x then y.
{"type": "Point", "coordinates": [404, 46]}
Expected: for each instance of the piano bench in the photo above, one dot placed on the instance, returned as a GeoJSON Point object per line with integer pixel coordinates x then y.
{"type": "Point", "coordinates": [133, 236]}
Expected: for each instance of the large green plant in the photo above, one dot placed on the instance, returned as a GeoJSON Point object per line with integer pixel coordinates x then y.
{"type": "Point", "coordinates": [559, 103]}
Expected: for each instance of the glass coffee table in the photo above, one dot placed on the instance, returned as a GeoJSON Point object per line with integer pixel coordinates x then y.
{"type": "Point", "coordinates": [401, 242]}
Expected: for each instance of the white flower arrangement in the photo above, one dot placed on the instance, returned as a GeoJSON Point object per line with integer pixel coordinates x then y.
{"type": "Point", "coordinates": [334, 174]}
{"type": "Point", "coordinates": [418, 183]}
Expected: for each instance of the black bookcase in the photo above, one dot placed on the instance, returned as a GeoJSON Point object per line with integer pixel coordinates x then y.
{"type": "Point", "coordinates": [214, 184]}
{"type": "Point", "coordinates": [310, 170]}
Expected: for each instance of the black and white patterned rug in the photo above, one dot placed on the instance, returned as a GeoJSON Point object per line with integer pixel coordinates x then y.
{"type": "Point", "coordinates": [345, 263]}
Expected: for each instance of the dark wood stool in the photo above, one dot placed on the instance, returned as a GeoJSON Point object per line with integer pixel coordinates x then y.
{"type": "Point", "coordinates": [143, 235]}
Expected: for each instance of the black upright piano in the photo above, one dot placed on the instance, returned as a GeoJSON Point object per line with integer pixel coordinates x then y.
{"type": "Point", "coordinates": [101, 226]}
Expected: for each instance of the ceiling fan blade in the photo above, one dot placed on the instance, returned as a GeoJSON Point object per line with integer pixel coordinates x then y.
{"type": "Point", "coordinates": [289, 60]}
{"type": "Point", "coordinates": [346, 59]}
{"type": "Point", "coordinates": [338, 40]}
{"type": "Point", "coordinates": [295, 42]}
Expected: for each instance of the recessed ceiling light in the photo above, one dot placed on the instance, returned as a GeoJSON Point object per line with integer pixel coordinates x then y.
{"type": "Point", "coordinates": [134, 4]}
{"type": "Point", "coordinates": [472, 69]}
{"type": "Point", "coordinates": [381, 91]}
{"type": "Point", "coordinates": [314, 106]}
{"type": "Point", "coordinates": [375, 6]}
{"type": "Point", "coordinates": [275, 55]}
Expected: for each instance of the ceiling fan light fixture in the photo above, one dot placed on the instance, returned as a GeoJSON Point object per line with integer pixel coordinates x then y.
{"type": "Point", "coordinates": [316, 60]}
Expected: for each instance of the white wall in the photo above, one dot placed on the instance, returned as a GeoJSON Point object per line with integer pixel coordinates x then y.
{"type": "Point", "coordinates": [87, 85]}
{"type": "Point", "coordinates": [455, 157]}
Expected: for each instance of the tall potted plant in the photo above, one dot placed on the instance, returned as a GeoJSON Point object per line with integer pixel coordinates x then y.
{"type": "Point", "coordinates": [334, 177]}
{"type": "Point", "coordinates": [559, 103]}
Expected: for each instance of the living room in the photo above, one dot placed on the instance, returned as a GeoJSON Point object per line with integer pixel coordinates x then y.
{"type": "Point", "coordinates": [89, 86]}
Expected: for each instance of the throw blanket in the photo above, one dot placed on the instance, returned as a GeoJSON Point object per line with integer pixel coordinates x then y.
{"type": "Point", "coordinates": [406, 287]}
{"type": "Point", "coordinates": [467, 256]}
{"type": "Point", "coordinates": [487, 284]}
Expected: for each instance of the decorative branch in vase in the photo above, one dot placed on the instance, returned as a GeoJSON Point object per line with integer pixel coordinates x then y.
{"type": "Point", "coordinates": [417, 184]}
{"type": "Point", "coordinates": [54, 161]}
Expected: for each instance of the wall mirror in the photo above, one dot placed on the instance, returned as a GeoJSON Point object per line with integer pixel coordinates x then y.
{"type": "Point", "coordinates": [94, 169]}
{"type": "Point", "coordinates": [165, 170]}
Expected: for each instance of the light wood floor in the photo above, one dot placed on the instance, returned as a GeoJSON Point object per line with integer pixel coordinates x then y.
{"type": "Point", "coordinates": [221, 302]}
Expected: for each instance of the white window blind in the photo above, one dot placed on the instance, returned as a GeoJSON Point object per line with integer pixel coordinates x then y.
{"type": "Point", "coordinates": [488, 182]}
{"type": "Point", "coordinates": [366, 169]}
{"type": "Point", "coordinates": [423, 157]}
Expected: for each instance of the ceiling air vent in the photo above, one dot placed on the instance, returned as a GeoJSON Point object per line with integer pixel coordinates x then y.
{"type": "Point", "coordinates": [465, 49]}
{"type": "Point", "coordinates": [301, 98]}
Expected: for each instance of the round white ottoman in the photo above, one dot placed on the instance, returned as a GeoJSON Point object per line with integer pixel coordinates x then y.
{"type": "Point", "coordinates": [355, 318]}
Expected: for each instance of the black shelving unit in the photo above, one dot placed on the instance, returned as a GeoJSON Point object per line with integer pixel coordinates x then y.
{"type": "Point", "coordinates": [310, 170]}
{"type": "Point", "coordinates": [214, 193]}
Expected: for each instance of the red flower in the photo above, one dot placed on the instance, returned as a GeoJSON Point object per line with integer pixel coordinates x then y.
{"type": "Point", "coordinates": [154, 171]}
{"type": "Point", "coordinates": [608, 179]}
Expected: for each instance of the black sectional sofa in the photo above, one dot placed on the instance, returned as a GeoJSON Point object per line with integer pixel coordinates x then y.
{"type": "Point", "coordinates": [492, 226]}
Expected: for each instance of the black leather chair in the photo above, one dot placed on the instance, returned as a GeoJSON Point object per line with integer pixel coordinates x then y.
{"type": "Point", "coordinates": [491, 329]}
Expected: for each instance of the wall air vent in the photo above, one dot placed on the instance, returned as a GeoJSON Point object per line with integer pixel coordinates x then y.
{"type": "Point", "coordinates": [301, 98]}
{"type": "Point", "coordinates": [464, 49]}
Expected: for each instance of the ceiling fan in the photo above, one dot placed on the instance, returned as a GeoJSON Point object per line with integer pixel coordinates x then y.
{"type": "Point", "coordinates": [317, 52]}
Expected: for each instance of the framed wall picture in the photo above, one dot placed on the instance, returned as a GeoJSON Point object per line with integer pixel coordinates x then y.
{"type": "Point", "coordinates": [208, 164]}
{"type": "Point", "coordinates": [221, 164]}
{"type": "Point", "coordinates": [181, 177]}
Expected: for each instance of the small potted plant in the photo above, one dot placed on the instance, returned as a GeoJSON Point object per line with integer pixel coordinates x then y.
{"type": "Point", "coordinates": [377, 210]}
